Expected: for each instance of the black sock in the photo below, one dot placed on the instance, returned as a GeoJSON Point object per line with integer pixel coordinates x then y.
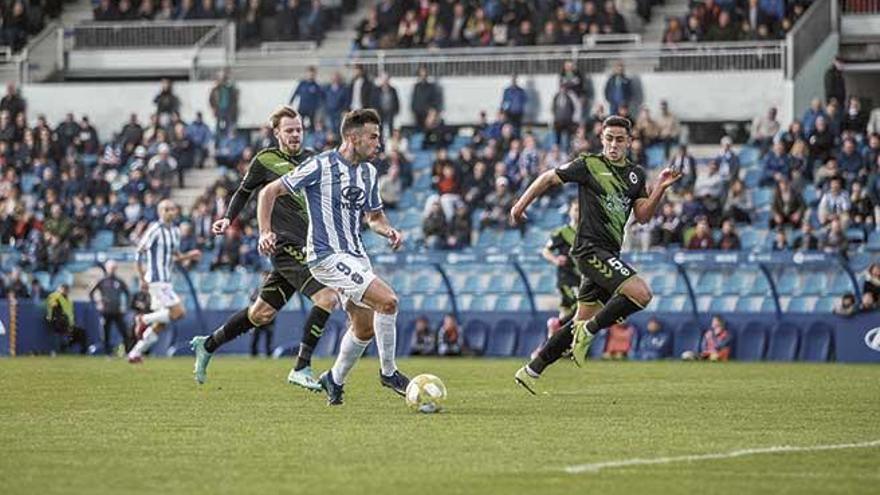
{"type": "Point", "coordinates": [617, 309]}
{"type": "Point", "coordinates": [553, 349]}
{"type": "Point", "coordinates": [312, 331]}
{"type": "Point", "coordinates": [236, 325]}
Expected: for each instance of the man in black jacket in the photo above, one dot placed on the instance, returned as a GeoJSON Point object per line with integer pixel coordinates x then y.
{"type": "Point", "coordinates": [426, 96]}
{"type": "Point", "coordinates": [110, 304]}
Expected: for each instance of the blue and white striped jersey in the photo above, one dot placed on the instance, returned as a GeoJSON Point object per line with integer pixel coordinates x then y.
{"type": "Point", "coordinates": [337, 193]}
{"type": "Point", "coordinates": [158, 245]}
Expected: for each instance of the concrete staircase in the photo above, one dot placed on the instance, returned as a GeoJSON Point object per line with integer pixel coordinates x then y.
{"type": "Point", "coordinates": [196, 181]}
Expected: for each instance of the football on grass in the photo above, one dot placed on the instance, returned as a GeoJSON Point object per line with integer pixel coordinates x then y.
{"type": "Point", "coordinates": [426, 394]}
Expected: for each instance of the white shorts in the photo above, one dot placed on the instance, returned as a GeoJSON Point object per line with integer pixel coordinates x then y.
{"type": "Point", "coordinates": [162, 296]}
{"type": "Point", "coordinates": [349, 275]}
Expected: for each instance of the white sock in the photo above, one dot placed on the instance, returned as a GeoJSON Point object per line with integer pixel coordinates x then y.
{"type": "Point", "coordinates": [350, 349]}
{"type": "Point", "coordinates": [162, 316]}
{"type": "Point", "coordinates": [150, 337]}
{"type": "Point", "coordinates": [385, 327]}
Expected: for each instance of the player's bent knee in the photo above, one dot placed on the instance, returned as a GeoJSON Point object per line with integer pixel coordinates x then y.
{"type": "Point", "coordinates": [363, 333]}
{"type": "Point", "coordinates": [389, 305]}
{"type": "Point", "coordinates": [261, 314]}
{"type": "Point", "coordinates": [326, 299]}
{"type": "Point", "coordinates": [640, 293]}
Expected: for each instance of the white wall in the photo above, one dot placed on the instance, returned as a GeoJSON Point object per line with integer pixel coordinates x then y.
{"type": "Point", "coordinates": [809, 83]}
{"type": "Point", "coordinates": [696, 96]}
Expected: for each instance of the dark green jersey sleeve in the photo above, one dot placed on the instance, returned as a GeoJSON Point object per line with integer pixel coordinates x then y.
{"type": "Point", "coordinates": [574, 171]}
{"type": "Point", "coordinates": [256, 177]}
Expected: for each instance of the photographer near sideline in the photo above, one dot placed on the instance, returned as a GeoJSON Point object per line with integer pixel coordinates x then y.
{"type": "Point", "coordinates": [59, 314]}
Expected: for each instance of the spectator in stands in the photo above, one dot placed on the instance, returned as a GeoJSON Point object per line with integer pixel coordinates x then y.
{"type": "Point", "coordinates": [337, 97]}
{"type": "Point", "coordinates": [764, 129]}
{"type": "Point", "coordinates": [460, 230]}
{"type": "Point", "coordinates": [13, 102]}
{"type": "Point", "coordinates": [565, 111]}
{"type": "Point", "coordinates": [702, 237]}
{"type": "Point", "coordinates": [309, 96]}
{"type": "Point", "coordinates": [729, 238]}
{"type": "Point", "coordinates": [361, 89]}
{"type": "Point", "coordinates": [710, 188]}
{"type": "Point", "coordinates": [619, 341]}
{"type": "Point", "coordinates": [687, 164]}
{"type": "Point", "coordinates": [618, 89]}
{"type": "Point", "coordinates": [835, 241]}
{"type": "Point", "coordinates": [498, 205]}
{"type": "Point", "coordinates": [666, 228]}
{"type": "Point", "coordinates": [646, 128]}
{"type": "Point", "coordinates": [821, 142]}
{"type": "Point", "coordinates": [850, 161]}
{"type": "Point", "coordinates": [656, 344]}
{"type": "Point", "coordinates": [477, 185]}
{"type": "Point", "coordinates": [449, 337]}
{"type": "Point", "coordinates": [717, 341]}
{"type": "Point", "coordinates": [776, 164]}
{"type": "Point", "coordinates": [163, 167]}
{"type": "Point", "coordinates": [61, 318]}
{"type": "Point", "coordinates": [230, 147]}
{"type": "Point", "coordinates": [811, 115]}
{"type": "Point", "coordinates": [727, 159]}
{"type": "Point", "coordinates": [691, 208]}
{"type": "Point", "coordinates": [437, 134]}
{"type": "Point", "coordinates": [723, 30]}
{"type": "Point", "coordinates": [824, 174]}
{"type": "Point", "coordinates": [738, 205]}
{"type": "Point", "coordinates": [424, 340]}
{"type": "Point", "coordinates": [788, 206]}
{"type": "Point", "coordinates": [807, 241]}
{"type": "Point", "coordinates": [835, 204]}
{"type": "Point", "coordinates": [874, 121]}
{"type": "Point", "coordinates": [391, 187]}
{"type": "Point", "coordinates": [846, 306]}
{"type": "Point", "coordinates": [167, 103]}
{"type": "Point", "coordinates": [855, 121]}
{"type": "Point", "coordinates": [434, 228]}
{"type": "Point", "coordinates": [223, 100]}
{"type": "Point", "coordinates": [674, 32]}
{"type": "Point", "coordinates": [835, 85]}
{"type": "Point", "coordinates": [513, 102]}
{"type": "Point", "coordinates": [862, 210]}
{"type": "Point", "coordinates": [387, 103]}
{"type": "Point", "coordinates": [426, 96]}
{"type": "Point", "coordinates": [670, 129]}
{"type": "Point", "coordinates": [15, 287]}
{"type": "Point", "coordinates": [780, 241]}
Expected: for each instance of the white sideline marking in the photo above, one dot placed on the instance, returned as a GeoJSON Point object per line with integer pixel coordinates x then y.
{"type": "Point", "coordinates": [598, 466]}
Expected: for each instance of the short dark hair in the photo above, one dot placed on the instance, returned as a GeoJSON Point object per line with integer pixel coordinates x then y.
{"type": "Point", "coordinates": [359, 118]}
{"type": "Point", "coordinates": [280, 113]}
{"type": "Point", "coordinates": [617, 121]}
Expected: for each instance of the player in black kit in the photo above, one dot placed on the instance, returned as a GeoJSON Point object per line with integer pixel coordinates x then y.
{"type": "Point", "coordinates": [290, 271]}
{"type": "Point", "coordinates": [610, 187]}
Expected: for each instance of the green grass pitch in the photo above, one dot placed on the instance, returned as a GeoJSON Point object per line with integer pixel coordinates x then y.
{"type": "Point", "coordinates": [96, 426]}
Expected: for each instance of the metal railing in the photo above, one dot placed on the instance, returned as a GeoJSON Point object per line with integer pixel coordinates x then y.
{"type": "Point", "coordinates": [595, 59]}
{"type": "Point", "coordinates": [809, 33]}
{"type": "Point", "coordinates": [860, 7]}
{"type": "Point", "coordinates": [138, 35]}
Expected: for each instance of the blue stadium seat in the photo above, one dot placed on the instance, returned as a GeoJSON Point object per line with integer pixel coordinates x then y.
{"type": "Point", "coordinates": [484, 302]}
{"type": "Point", "coordinates": [752, 177]}
{"type": "Point", "coordinates": [751, 239]}
{"type": "Point", "coordinates": [840, 284]}
{"type": "Point", "coordinates": [233, 283]}
{"type": "Point", "coordinates": [103, 240]}
{"type": "Point", "coordinates": [787, 282]}
{"type": "Point", "coordinates": [703, 303]}
{"type": "Point", "coordinates": [465, 301]}
{"type": "Point", "coordinates": [709, 283]}
{"type": "Point", "coordinates": [811, 197]}
{"type": "Point", "coordinates": [44, 279]}
{"type": "Point", "coordinates": [673, 304]}
{"type": "Point", "coordinates": [873, 243]}
{"type": "Point", "coordinates": [825, 304]}
{"type": "Point", "coordinates": [734, 284]}
{"type": "Point", "coordinates": [476, 282]}
{"type": "Point", "coordinates": [502, 340]}
{"type": "Point", "coordinates": [783, 342]}
{"type": "Point", "coordinates": [219, 302]}
{"type": "Point", "coordinates": [814, 284]}
{"type": "Point", "coordinates": [859, 261]}
{"type": "Point", "coordinates": [762, 197]}
{"type": "Point", "coordinates": [748, 155]}
{"type": "Point", "coordinates": [655, 156]}
{"type": "Point", "coordinates": [28, 182]}
{"type": "Point", "coordinates": [751, 342]}
{"type": "Point", "coordinates": [329, 340]}
{"type": "Point", "coordinates": [816, 343]}
{"type": "Point", "coordinates": [476, 332]}
{"type": "Point", "coordinates": [511, 302]}
{"type": "Point", "coordinates": [855, 235]}
{"type": "Point", "coordinates": [687, 337]}
{"type": "Point", "coordinates": [240, 300]}
{"type": "Point", "coordinates": [597, 348]}
{"type": "Point", "coordinates": [530, 337]}
{"type": "Point", "coordinates": [804, 304]}
{"type": "Point", "coordinates": [546, 283]}
{"type": "Point", "coordinates": [436, 302]}
{"type": "Point", "coordinates": [751, 304]}
{"type": "Point", "coordinates": [723, 304]}
{"type": "Point", "coordinates": [208, 282]}
{"type": "Point", "coordinates": [412, 302]}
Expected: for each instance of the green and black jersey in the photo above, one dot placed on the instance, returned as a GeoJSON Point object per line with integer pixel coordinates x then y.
{"type": "Point", "coordinates": [560, 244]}
{"type": "Point", "coordinates": [290, 221]}
{"type": "Point", "coordinates": [606, 194]}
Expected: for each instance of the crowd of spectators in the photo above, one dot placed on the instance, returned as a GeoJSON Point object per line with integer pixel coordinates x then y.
{"type": "Point", "coordinates": [22, 19]}
{"type": "Point", "coordinates": [255, 20]}
{"type": "Point", "coordinates": [734, 20]}
{"type": "Point", "coordinates": [450, 23]}
{"type": "Point", "coordinates": [59, 185]}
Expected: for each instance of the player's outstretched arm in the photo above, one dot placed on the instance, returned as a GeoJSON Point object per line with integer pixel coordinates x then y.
{"type": "Point", "coordinates": [378, 222]}
{"type": "Point", "coordinates": [645, 208]}
{"type": "Point", "coordinates": [251, 182]}
{"type": "Point", "coordinates": [544, 181]}
{"type": "Point", "coordinates": [265, 205]}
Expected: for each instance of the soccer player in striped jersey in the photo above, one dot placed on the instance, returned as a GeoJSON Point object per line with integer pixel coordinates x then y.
{"type": "Point", "coordinates": [157, 252]}
{"type": "Point", "coordinates": [340, 187]}
{"type": "Point", "coordinates": [290, 272]}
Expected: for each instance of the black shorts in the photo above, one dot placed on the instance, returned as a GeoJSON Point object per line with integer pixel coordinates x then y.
{"type": "Point", "coordinates": [290, 274]}
{"type": "Point", "coordinates": [602, 274]}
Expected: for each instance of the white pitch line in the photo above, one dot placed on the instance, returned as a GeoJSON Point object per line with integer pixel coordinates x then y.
{"type": "Point", "coordinates": [598, 466]}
